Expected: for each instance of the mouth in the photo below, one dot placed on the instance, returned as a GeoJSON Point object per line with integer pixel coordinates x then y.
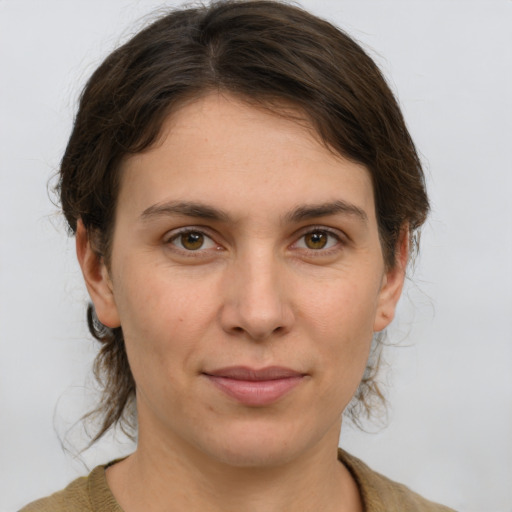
{"type": "Point", "coordinates": [255, 387]}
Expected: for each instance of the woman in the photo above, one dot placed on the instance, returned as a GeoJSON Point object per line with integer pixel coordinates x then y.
{"type": "Point", "coordinates": [244, 195]}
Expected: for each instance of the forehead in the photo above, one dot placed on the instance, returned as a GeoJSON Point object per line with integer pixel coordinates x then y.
{"type": "Point", "coordinates": [221, 150]}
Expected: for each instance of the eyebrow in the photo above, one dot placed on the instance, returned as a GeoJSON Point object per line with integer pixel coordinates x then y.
{"type": "Point", "coordinates": [298, 214]}
{"type": "Point", "coordinates": [185, 208]}
{"type": "Point", "coordinates": [308, 212]}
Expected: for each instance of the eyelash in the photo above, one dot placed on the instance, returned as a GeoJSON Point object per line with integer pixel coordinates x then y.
{"type": "Point", "coordinates": [331, 234]}
{"type": "Point", "coordinates": [190, 230]}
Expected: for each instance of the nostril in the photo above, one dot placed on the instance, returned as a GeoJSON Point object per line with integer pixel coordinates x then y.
{"type": "Point", "coordinates": [256, 315]}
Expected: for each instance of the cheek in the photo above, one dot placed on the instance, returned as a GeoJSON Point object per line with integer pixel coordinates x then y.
{"type": "Point", "coordinates": [340, 320]}
{"type": "Point", "coordinates": [163, 320]}
{"type": "Point", "coordinates": [344, 306]}
{"type": "Point", "coordinates": [160, 300]}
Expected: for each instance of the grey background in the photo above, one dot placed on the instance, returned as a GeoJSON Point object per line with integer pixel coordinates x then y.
{"type": "Point", "coordinates": [449, 427]}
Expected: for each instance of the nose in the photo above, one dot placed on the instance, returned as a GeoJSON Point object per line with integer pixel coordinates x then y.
{"type": "Point", "coordinates": [256, 302]}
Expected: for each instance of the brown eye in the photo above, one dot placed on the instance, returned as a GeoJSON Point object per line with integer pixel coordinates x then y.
{"type": "Point", "coordinates": [316, 240]}
{"type": "Point", "coordinates": [192, 240]}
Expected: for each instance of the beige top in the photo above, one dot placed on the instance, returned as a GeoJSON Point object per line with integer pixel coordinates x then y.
{"type": "Point", "coordinates": [92, 494]}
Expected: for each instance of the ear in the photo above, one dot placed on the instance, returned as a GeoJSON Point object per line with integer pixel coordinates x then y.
{"type": "Point", "coordinates": [392, 283]}
{"type": "Point", "coordinates": [97, 278]}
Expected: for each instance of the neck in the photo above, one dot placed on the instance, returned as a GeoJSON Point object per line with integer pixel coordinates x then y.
{"type": "Point", "coordinates": [159, 474]}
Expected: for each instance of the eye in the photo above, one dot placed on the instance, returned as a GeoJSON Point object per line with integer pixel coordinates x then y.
{"type": "Point", "coordinates": [192, 241]}
{"type": "Point", "coordinates": [317, 240]}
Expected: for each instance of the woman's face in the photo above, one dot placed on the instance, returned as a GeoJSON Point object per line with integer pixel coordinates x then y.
{"type": "Point", "coordinates": [248, 277]}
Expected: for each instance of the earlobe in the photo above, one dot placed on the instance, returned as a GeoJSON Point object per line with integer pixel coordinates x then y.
{"type": "Point", "coordinates": [97, 278]}
{"type": "Point", "coordinates": [392, 284]}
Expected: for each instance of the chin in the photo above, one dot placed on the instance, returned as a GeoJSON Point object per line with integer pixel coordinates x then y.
{"type": "Point", "coordinates": [258, 446]}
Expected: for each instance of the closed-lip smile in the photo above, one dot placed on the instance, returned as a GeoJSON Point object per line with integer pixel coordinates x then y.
{"type": "Point", "coordinates": [255, 387]}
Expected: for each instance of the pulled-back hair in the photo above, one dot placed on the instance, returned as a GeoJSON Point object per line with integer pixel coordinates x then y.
{"type": "Point", "coordinates": [266, 53]}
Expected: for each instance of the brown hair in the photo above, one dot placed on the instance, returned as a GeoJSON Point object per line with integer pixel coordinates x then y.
{"type": "Point", "coordinates": [265, 52]}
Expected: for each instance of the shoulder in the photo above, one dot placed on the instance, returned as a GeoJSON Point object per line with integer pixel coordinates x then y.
{"type": "Point", "coordinates": [86, 494]}
{"type": "Point", "coordinates": [380, 494]}
{"type": "Point", "coordinates": [73, 497]}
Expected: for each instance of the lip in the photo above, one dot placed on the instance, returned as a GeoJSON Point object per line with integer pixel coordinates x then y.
{"type": "Point", "coordinates": [255, 387]}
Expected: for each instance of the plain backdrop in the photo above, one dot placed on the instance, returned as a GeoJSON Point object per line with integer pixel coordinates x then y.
{"type": "Point", "coordinates": [449, 383]}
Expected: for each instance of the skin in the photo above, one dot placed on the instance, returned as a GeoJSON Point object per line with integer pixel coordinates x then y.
{"type": "Point", "coordinates": [253, 287]}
